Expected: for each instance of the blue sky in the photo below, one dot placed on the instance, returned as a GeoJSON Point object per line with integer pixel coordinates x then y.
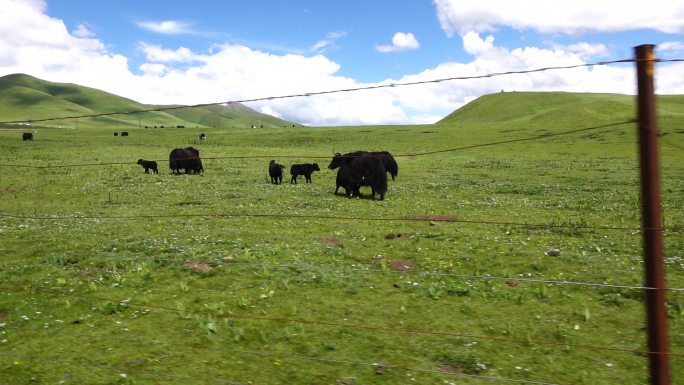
{"type": "Point", "coordinates": [189, 52]}
{"type": "Point", "coordinates": [353, 28]}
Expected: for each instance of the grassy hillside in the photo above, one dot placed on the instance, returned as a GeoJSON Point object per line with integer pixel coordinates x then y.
{"type": "Point", "coordinates": [489, 261]}
{"type": "Point", "coordinates": [523, 108]}
{"type": "Point", "coordinates": [24, 97]}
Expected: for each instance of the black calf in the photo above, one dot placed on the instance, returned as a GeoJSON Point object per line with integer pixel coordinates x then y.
{"type": "Point", "coordinates": [305, 169]}
{"type": "Point", "coordinates": [149, 165]}
{"type": "Point", "coordinates": [275, 171]}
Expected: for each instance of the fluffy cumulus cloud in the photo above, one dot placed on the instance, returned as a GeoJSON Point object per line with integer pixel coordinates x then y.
{"type": "Point", "coordinates": [560, 17]}
{"type": "Point", "coordinates": [401, 41]}
{"type": "Point", "coordinates": [157, 53]}
{"type": "Point", "coordinates": [32, 42]}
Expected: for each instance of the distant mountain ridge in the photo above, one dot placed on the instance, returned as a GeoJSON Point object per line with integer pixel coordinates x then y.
{"type": "Point", "coordinates": [24, 97]}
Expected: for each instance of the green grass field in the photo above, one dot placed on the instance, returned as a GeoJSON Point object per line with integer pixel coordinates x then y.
{"type": "Point", "coordinates": [109, 275]}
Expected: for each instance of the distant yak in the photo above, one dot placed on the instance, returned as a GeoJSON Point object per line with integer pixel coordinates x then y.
{"type": "Point", "coordinates": [27, 136]}
{"type": "Point", "coordinates": [148, 165]}
{"type": "Point", "coordinates": [275, 171]}
{"type": "Point", "coordinates": [305, 169]}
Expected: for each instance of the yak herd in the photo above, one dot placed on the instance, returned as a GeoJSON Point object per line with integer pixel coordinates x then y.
{"type": "Point", "coordinates": [354, 169]}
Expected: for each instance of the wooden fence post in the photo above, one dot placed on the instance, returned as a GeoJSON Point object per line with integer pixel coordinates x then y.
{"type": "Point", "coordinates": [652, 219]}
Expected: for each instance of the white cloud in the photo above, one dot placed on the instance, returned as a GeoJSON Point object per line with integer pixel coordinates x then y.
{"type": "Point", "coordinates": [153, 69]}
{"type": "Point", "coordinates": [584, 50]}
{"type": "Point", "coordinates": [671, 46]}
{"type": "Point", "coordinates": [562, 17]}
{"type": "Point", "coordinates": [474, 45]}
{"type": "Point", "coordinates": [156, 53]}
{"type": "Point", "coordinates": [330, 39]}
{"type": "Point", "coordinates": [83, 30]}
{"type": "Point", "coordinates": [400, 42]}
{"type": "Point", "coordinates": [167, 27]}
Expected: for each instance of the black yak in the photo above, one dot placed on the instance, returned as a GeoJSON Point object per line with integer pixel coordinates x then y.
{"type": "Point", "coordinates": [202, 137]}
{"type": "Point", "coordinates": [365, 170]}
{"type": "Point", "coordinates": [27, 136]}
{"type": "Point", "coordinates": [385, 157]}
{"type": "Point", "coordinates": [305, 169]}
{"type": "Point", "coordinates": [275, 171]}
{"type": "Point", "coordinates": [149, 165]}
{"type": "Point", "coordinates": [345, 179]}
{"type": "Point", "coordinates": [185, 158]}
{"type": "Point", "coordinates": [124, 133]}
{"type": "Point", "coordinates": [388, 161]}
{"type": "Point", "coordinates": [116, 134]}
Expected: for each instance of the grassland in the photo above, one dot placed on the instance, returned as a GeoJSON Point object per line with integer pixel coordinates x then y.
{"type": "Point", "coordinates": [112, 276]}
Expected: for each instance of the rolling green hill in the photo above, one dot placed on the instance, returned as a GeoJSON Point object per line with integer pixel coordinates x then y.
{"type": "Point", "coordinates": [23, 97]}
{"type": "Point", "coordinates": [525, 108]}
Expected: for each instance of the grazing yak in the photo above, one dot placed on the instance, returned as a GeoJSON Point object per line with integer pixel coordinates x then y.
{"type": "Point", "coordinates": [305, 169]}
{"type": "Point", "coordinates": [185, 158]}
{"type": "Point", "coordinates": [27, 136]}
{"type": "Point", "coordinates": [116, 134]}
{"type": "Point", "coordinates": [385, 157]}
{"type": "Point", "coordinates": [124, 133]}
{"type": "Point", "coordinates": [364, 170]}
{"type": "Point", "coordinates": [202, 137]}
{"type": "Point", "coordinates": [275, 171]}
{"type": "Point", "coordinates": [148, 165]}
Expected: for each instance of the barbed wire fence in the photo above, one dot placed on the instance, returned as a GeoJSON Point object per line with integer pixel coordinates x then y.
{"type": "Point", "coordinates": [161, 308]}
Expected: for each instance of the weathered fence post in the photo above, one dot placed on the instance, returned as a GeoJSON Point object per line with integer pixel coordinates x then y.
{"type": "Point", "coordinates": [652, 219]}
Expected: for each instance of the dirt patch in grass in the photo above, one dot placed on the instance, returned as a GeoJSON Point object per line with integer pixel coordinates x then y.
{"type": "Point", "coordinates": [401, 265]}
{"type": "Point", "coordinates": [199, 266]}
{"type": "Point", "coordinates": [331, 241]}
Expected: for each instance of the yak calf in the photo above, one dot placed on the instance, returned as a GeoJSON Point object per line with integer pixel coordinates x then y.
{"type": "Point", "coordinates": [148, 165]}
{"type": "Point", "coordinates": [275, 171]}
{"type": "Point", "coordinates": [305, 169]}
